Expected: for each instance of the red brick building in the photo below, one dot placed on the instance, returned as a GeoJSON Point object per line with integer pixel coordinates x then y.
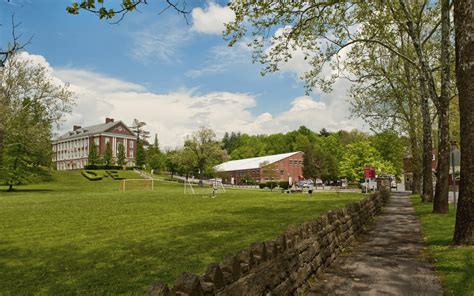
{"type": "Point", "coordinates": [71, 150]}
{"type": "Point", "coordinates": [282, 167]}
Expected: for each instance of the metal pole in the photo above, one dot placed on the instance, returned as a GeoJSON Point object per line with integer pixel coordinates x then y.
{"type": "Point", "coordinates": [453, 176]}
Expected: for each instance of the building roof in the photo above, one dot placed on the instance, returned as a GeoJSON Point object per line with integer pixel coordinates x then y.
{"type": "Point", "coordinates": [89, 130]}
{"type": "Point", "coordinates": [251, 163]}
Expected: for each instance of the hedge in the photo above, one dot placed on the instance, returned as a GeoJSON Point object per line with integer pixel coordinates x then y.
{"type": "Point", "coordinates": [132, 168]}
{"type": "Point", "coordinates": [284, 184]}
{"type": "Point", "coordinates": [114, 175]}
{"type": "Point", "coordinates": [90, 175]}
{"type": "Point", "coordinates": [271, 184]}
{"type": "Point", "coordinates": [102, 167]}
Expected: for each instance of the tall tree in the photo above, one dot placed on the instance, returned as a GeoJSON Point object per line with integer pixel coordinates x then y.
{"type": "Point", "coordinates": [139, 130]}
{"type": "Point", "coordinates": [108, 157]}
{"type": "Point", "coordinates": [171, 161]}
{"type": "Point", "coordinates": [391, 148]}
{"type": "Point", "coordinates": [93, 156]}
{"type": "Point", "coordinates": [359, 155]}
{"type": "Point", "coordinates": [30, 104]}
{"type": "Point", "coordinates": [319, 163]}
{"type": "Point", "coordinates": [326, 30]}
{"type": "Point", "coordinates": [27, 147]}
{"type": "Point", "coordinates": [187, 162]}
{"type": "Point", "coordinates": [440, 203]}
{"type": "Point", "coordinates": [154, 158]}
{"type": "Point", "coordinates": [206, 150]}
{"type": "Point", "coordinates": [463, 24]}
{"type": "Point", "coordinates": [387, 97]}
{"type": "Point", "coordinates": [140, 159]}
{"type": "Point", "coordinates": [121, 154]}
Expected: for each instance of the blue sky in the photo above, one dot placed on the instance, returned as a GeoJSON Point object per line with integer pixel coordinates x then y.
{"type": "Point", "coordinates": [173, 75]}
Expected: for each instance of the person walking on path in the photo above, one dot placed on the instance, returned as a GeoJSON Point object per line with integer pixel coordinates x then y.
{"type": "Point", "coordinates": [387, 260]}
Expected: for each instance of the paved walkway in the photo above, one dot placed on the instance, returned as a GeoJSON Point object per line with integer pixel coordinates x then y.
{"type": "Point", "coordinates": [384, 261]}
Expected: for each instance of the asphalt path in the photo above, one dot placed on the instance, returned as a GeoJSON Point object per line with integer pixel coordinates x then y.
{"type": "Point", "coordinates": [385, 260]}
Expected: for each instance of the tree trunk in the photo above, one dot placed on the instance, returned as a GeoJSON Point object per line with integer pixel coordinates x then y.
{"type": "Point", "coordinates": [464, 26]}
{"type": "Point", "coordinates": [416, 163]}
{"type": "Point", "coordinates": [427, 172]}
{"type": "Point", "coordinates": [440, 204]}
{"type": "Point", "coordinates": [428, 91]}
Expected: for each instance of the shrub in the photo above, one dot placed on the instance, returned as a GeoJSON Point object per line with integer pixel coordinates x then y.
{"type": "Point", "coordinates": [102, 167]}
{"type": "Point", "coordinates": [114, 175]}
{"type": "Point", "coordinates": [90, 167]}
{"type": "Point", "coordinates": [271, 184]}
{"type": "Point", "coordinates": [262, 185]}
{"type": "Point", "coordinates": [91, 176]}
{"type": "Point", "coordinates": [284, 184]}
{"type": "Point", "coordinates": [132, 168]}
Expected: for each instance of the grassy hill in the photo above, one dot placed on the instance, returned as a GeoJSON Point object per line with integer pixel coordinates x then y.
{"type": "Point", "coordinates": [72, 235]}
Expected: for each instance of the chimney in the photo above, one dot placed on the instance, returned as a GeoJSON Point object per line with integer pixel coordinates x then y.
{"type": "Point", "coordinates": [76, 127]}
{"type": "Point", "coordinates": [107, 120]}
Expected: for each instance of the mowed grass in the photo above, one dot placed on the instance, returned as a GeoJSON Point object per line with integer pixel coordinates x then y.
{"type": "Point", "coordinates": [454, 265]}
{"type": "Point", "coordinates": [72, 235]}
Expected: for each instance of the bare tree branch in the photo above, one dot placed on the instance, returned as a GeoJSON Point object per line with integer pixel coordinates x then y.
{"type": "Point", "coordinates": [15, 45]}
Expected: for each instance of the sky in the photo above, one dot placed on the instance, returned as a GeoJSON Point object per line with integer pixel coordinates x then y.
{"type": "Point", "coordinates": [173, 74]}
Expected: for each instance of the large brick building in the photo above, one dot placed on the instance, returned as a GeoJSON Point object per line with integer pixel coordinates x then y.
{"type": "Point", "coordinates": [283, 167]}
{"type": "Point", "coordinates": [71, 150]}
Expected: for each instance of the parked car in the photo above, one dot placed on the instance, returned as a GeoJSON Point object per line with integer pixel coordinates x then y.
{"type": "Point", "coordinates": [393, 184]}
{"type": "Point", "coordinates": [370, 186]}
{"type": "Point", "coordinates": [304, 183]}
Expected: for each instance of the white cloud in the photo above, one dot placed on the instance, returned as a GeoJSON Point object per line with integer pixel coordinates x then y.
{"type": "Point", "coordinates": [306, 103]}
{"type": "Point", "coordinates": [297, 64]}
{"type": "Point", "coordinates": [176, 114]}
{"type": "Point", "coordinates": [159, 43]}
{"type": "Point", "coordinates": [222, 58]}
{"type": "Point", "coordinates": [211, 20]}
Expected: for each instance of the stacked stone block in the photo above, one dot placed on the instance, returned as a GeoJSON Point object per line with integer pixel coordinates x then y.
{"type": "Point", "coordinates": [284, 265]}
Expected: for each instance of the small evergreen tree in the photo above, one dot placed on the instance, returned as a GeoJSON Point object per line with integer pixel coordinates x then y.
{"type": "Point", "coordinates": [108, 159]}
{"type": "Point", "coordinates": [15, 168]}
{"type": "Point", "coordinates": [171, 162]}
{"type": "Point", "coordinates": [140, 160]}
{"type": "Point", "coordinates": [154, 158]}
{"type": "Point", "coordinates": [93, 157]}
{"type": "Point", "coordinates": [121, 155]}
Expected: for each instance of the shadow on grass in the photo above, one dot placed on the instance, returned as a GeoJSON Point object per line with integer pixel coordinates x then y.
{"type": "Point", "coordinates": [138, 252]}
{"type": "Point", "coordinates": [124, 267]}
{"type": "Point", "coordinates": [27, 190]}
{"type": "Point", "coordinates": [460, 276]}
{"type": "Point", "coordinates": [118, 265]}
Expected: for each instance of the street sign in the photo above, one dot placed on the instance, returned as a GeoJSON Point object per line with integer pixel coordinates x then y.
{"type": "Point", "coordinates": [369, 172]}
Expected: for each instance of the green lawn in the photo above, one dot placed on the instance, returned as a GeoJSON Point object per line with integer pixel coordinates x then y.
{"type": "Point", "coordinates": [72, 235]}
{"type": "Point", "coordinates": [454, 265]}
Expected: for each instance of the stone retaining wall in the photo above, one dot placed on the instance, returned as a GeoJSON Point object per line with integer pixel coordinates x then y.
{"type": "Point", "coordinates": [281, 266]}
